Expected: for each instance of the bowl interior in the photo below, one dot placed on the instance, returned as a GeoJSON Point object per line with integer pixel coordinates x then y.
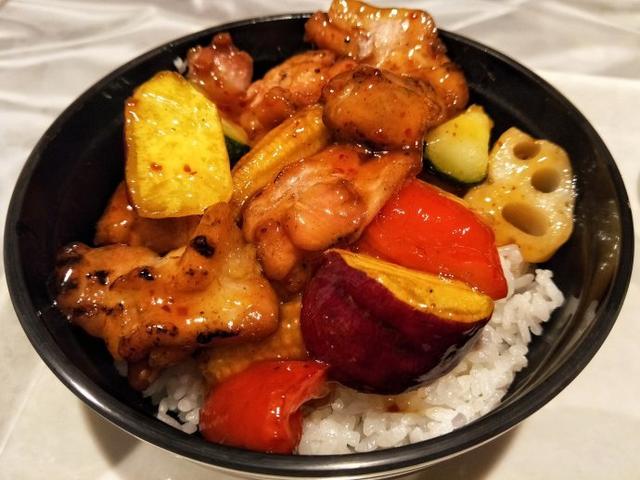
{"type": "Point", "coordinates": [78, 163]}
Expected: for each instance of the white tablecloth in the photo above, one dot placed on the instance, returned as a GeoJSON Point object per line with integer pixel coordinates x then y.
{"type": "Point", "coordinates": [52, 50]}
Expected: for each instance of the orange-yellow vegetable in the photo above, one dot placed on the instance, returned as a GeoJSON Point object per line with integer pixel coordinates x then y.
{"type": "Point", "coordinates": [300, 136]}
{"type": "Point", "coordinates": [284, 344]}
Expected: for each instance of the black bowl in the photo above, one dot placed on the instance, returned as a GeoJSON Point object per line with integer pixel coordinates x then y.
{"type": "Point", "coordinates": [71, 173]}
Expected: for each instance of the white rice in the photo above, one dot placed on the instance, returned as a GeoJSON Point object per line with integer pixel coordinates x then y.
{"type": "Point", "coordinates": [350, 421]}
{"type": "Point", "coordinates": [180, 64]}
{"type": "Point", "coordinates": [179, 394]}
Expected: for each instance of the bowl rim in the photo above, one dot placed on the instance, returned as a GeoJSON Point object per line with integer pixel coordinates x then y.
{"type": "Point", "coordinates": [397, 460]}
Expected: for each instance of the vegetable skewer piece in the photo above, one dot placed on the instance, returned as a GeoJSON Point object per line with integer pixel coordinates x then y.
{"type": "Point", "coordinates": [235, 139]}
{"type": "Point", "coordinates": [383, 327]}
{"type": "Point", "coordinates": [285, 343]}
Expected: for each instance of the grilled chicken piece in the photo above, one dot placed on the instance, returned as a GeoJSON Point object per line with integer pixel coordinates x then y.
{"type": "Point", "coordinates": [121, 224]}
{"type": "Point", "coordinates": [319, 201]}
{"type": "Point", "coordinates": [222, 71]}
{"type": "Point", "coordinates": [380, 108]}
{"type": "Point", "coordinates": [159, 309]}
{"type": "Point", "coordinates": [400, 40]}
{"type": "Point", "coordinates": [294, 84]}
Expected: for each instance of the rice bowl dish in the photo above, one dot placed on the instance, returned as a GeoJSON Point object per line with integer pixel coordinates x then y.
{"type": "Point", "coordinates": [319, 266]}
{"type": "Point", "coordinates": [513, 95]}
{"type": "Point", "coordinates": [364, 421]}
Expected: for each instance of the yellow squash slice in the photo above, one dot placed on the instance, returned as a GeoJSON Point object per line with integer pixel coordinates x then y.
{"type": "Point", "coordinates": [177, 162]}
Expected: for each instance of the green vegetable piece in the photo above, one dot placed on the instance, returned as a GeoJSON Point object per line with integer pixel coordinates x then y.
{"type": "Point", "coordinates": [459, 148]}
{"type": "Point", "coordinates": [235, 139]}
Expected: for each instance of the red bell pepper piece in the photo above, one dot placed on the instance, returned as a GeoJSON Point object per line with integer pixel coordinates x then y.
{"type": "Point", "coordinates": [425, 228]}
{"type": "Point", "coordinates": [259, 408]}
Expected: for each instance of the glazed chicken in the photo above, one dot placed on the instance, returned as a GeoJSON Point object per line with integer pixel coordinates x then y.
{"type": "Point", "coordinates": [120, 223]}
{"type": "Point", "coordinates": [158, 309]}
{"type": "Point", "coordinates": [294, 84]}
{"type": "Point", "coordinates": [319, 201]}
{"type": "Point", "coordinates": [222, 71]}
{"type": "Point", "coordinates": [379, 108]}
{"type": "Point", "coordinates": [400, 40]}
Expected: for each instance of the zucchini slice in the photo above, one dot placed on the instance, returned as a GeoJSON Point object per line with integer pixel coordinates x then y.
{"type": "Point", "coordinates": [235, 138]}
{"type": "Point", "coordinates": [459, 148]}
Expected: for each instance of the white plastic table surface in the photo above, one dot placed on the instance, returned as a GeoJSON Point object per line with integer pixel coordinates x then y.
{"type": "Point", "coordinates": [52, 50]}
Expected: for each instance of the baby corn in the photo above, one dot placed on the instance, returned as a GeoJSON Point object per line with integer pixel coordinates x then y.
{"type": "Point", "coordinates": [285, 343]}
{"type": "Point", "coordinates": [300, 136]}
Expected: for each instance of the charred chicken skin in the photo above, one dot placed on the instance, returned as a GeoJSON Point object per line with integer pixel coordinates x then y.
{"type": "Point", "coordinates": [149, 307]}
